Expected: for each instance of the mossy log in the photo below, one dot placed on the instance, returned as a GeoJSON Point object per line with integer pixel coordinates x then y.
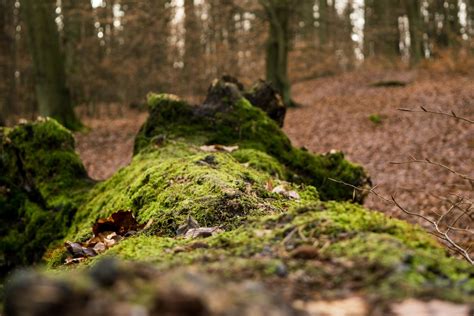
{"type": "Point", "coordinates": [310, 237]}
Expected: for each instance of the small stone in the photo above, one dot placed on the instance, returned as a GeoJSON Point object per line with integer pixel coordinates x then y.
{"type": "Point", "coordinates": [281, 270]}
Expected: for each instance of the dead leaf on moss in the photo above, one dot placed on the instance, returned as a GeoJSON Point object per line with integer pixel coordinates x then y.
{"type": "Point", "coordinates": [281, 189]}
{"type": "Point", "coordinates": [269, 185]}
{"type": "Point", "coordinates": [190, 223]}
{"type": "Point", "coordinates": [120, 222]}
{"type": "Point", "coordinates": [77, 250]}
{"type": "Point", "coordinates": [107, 233]}
{"type": "Point", "coordinates": [218, 148]}
{"type": "Point", "coordinates": [202, 232]}
{"type": "Point", "coordinates": [70, 260]}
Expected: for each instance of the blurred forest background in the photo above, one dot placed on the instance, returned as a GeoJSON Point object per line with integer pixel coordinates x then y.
{"type": "Point", "coordinates": [104, 52]}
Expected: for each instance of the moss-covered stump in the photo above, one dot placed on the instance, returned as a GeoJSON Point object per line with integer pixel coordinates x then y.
{"type": "Point", "coordinates": [42, 183]}
{"type": "Point", "coordinates": [220, 191]}
{"type": "Point", "coordinates": [227, 118]}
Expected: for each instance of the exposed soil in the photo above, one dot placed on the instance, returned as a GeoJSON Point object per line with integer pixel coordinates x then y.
{"type": "Point", "coordinates": [108, 144]}
{"type": "Point", "coordinates": [336, 114]}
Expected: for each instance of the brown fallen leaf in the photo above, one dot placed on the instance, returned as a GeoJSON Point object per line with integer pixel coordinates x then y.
{"type": "Point", "coordinates": [281, 189]}
{"type": "Point", "coordinates": [107, 232]}
{"type": "Point", "coordinates": [77, 250]}
{"type": "Point", "coordinates": [120, 222]}
{"type": "Point", "coordinates": [269, 185]}
{"type": "Point", "coordinates": [100, 247]}
{"type": "Point", "coordinates": [218, 148]}
{"type": "Point", "coordinates": [202, 232]}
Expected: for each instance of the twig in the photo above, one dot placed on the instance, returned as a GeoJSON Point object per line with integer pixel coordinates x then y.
{"type": "Point", "coordinates": [428, 161]}
{"type": "Point", "coordinates": [452, 114]}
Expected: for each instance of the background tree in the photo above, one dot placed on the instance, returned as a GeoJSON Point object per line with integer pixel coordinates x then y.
{"type": "Point", "coordinates": [382, 37]}
{"type": "Point", "coordinates": [413, 10]}
{"type": "Point", "coordinates": [7, 58]}
{"type": "Point", "coordinates": [278, 13]}
{"type": "Point", "coordinates": [52, 94]}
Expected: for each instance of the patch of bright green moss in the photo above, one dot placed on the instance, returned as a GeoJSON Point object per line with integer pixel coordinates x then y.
{"type": "Point", "coordinates": [215, 189]}
{"type": "Point", "coordinates": [41, 185]}
{"type": "Point", "coordinates": [261, 161]}
{"type": "Point", "coordinates": [356, 249]}
{"type": "Point", "coordinates": [240, 123]}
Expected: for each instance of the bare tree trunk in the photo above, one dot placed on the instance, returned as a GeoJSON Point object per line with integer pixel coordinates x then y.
{"type": "Point", "coordinates": [50, 79]}
{"type": "Point", "coordinates": [413, 9]}
{"type": "Point", "coordinates": [278, 14]}
{"type": "Point", "coordinates": [445, 26]}
{"type": "Point", "coordinates": [192, 47]}
{"type": "Point", "coordinates": [382, 36]}
{"type": "Point", "coordinates": [323, 22]}
{"type": "Point", "coordinates": [7, 59]}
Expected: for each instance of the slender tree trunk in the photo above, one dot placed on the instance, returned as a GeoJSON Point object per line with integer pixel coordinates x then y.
{"type": "Point", "coordinates": [470, 24]}
{"type": "Point", "coordinates": [470, 17]}
{"type": "Point", "coordinates": [308, 30]}
{"type": "Point", "coordinates": [78, 24]}
{"type": "Point", "coordinates": [278, 13]}
{"type": "Point", "coordinates": [52, 94]}
{"type": "Point", "coordinates": [413, 9]}
{"type": "Point", "coordinates": [381, 28]}
{"type": "Point", "coordinates": [323, 22]}
{"type": "Point", "coordinates": [7, 59]}
{"type": "Point", "coordinates": [445, 23]}
{"type": "Point", "coordinates": [388, 36]}
{"type": "Point", "coordinates": [453, 23]}
{"type": "Point", "coordinates": [192, 47]}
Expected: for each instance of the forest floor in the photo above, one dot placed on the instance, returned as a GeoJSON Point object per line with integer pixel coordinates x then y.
{"type": "Point", "coordinates": [347, 112]}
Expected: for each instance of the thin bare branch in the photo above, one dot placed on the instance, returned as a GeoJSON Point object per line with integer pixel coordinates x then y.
{"type": "Point", "coordinates": [451, 114]}
{"type": "Point", "coordinates": [428, 161]}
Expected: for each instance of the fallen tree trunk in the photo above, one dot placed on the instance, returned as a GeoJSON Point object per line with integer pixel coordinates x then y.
{"type": "Point", "coordinates": [217, 189]}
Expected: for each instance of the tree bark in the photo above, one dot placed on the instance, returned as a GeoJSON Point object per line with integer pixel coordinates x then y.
{"type": "Point", "coordinates": [192, 48]}
{"type": "Point", "coordinates": [382, 36]}
{"type": "Point", "coordinates": [413, 9]}
{"type": "Point", "coordinates": [278, 14]}
{"type": "Point", "coordinates": [52, 94]}
{"type": "Point", "coordinates": [323, 22]}
{"type": "Point", "coordinates": [7, 59]}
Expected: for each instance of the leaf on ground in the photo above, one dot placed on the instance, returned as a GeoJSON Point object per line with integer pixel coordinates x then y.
{"type": "Point", "coordinates": [190, 223]}
{"type": "Point", "coordinates": [202, 232]}
{"type": "Point", "coordinates": [107, 233]}
{"type": "Point", "coordinates": [282, 189]}
{"type": "Point", "coordinates": [218, 148]}
{"type": "Point", "coordinates": [120, 222]}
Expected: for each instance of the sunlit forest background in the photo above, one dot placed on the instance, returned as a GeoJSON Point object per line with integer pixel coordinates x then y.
{"type": "Point", "coordinates": [116, 51]}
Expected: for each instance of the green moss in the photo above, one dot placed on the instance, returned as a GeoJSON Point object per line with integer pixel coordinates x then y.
{"type": "Point", "coordinates": [41, 185]}
{"type": "Point", "coordinates": [261, 161]}
{"type": "Point", "coordinates": [213, 188]}
{"type": "Point", "coordinates": [240, 123]}
{"type": "Point", "coordinates": [299, 238]}
{"type": "Point", "coordinates": [356, 249]}
{"type": "Point", "coordinates": [376, 119]}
